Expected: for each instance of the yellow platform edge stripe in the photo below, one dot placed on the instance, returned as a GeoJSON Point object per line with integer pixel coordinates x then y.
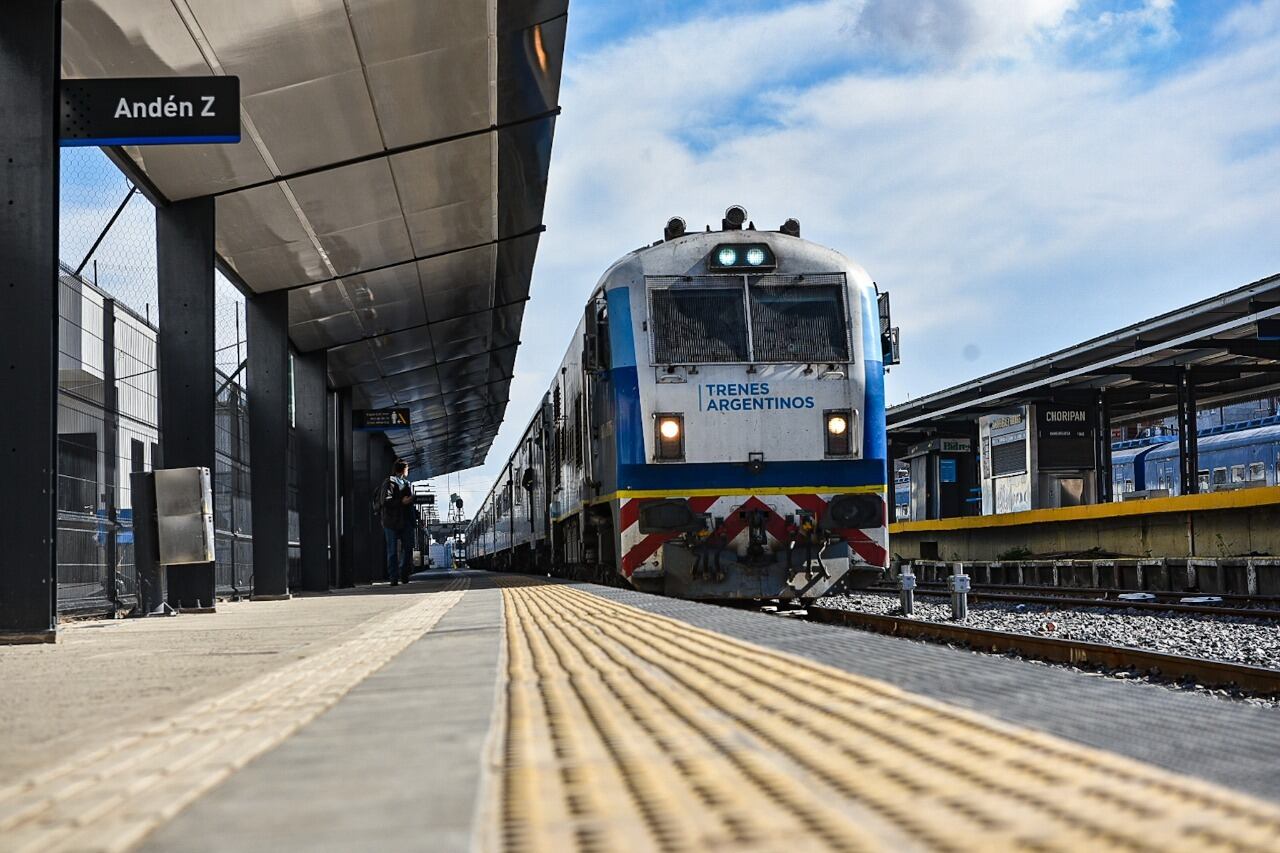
{"type": "Point", "coordinates": [1097, 797]}
{"type": "Point", "coordinates": [1237, 499]}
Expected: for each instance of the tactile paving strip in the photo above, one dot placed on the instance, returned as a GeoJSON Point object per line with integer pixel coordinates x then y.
{"type": "Point", "coordinates": [110, 798]}
{"type": "Point", "coordinates": [630, 731]}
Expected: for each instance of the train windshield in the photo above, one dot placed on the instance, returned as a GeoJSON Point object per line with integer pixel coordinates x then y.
{"type": "Point", "coordinates": [798, 322]}
{"type": "Point", "coordinates": [793, 319]}
{"type": "Point", "coordinates": [698, 325]}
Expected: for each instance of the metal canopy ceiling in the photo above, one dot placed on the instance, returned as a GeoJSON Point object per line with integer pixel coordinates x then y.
{"type": "Point", "coordinates": [391, 177]}
{"type": "Point", "coordinates": [1229, 355]}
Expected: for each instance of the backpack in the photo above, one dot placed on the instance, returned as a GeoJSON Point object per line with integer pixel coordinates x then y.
{"type": "Point", "coordinates": [379, 497]}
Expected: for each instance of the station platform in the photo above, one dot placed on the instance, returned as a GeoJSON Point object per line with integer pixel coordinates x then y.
{"type": "Point", "coordinates": [499, 712]}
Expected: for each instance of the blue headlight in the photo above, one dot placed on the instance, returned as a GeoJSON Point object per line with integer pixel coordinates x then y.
{"type": "Point", "coordinates": [727, 257]}
{"type": "Point", "coordinates": [755, 256]}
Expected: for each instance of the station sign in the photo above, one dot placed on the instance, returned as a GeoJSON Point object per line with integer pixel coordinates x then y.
{"type": "Point", "coordinates": [940, 445]}
{"type": "Point", "coordinates": [380, 419]}
{"type": "Point", "coordinates": [149, 111]}
{"type": "Point", "coordinates": [1066, 436]}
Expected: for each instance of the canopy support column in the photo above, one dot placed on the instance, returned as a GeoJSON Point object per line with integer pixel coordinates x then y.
{"type": "Point", "coordinates": [30, 50]}
{"type": "Point", "coordinates": [310, 399]}
{"type": "Point", "coordinates": [1188, 440]}
{"type": "Point", "coordinates": [268, 321]}
{"type": "Point", "coordinates": [346, 486]}
{"type": "Point", "coordinates": [184, 260]}
{"type": "Point", "coordinates": [1102, 451]}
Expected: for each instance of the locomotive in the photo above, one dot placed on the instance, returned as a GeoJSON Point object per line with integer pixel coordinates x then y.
{"type": "Point", "coordinates": [716, 429]}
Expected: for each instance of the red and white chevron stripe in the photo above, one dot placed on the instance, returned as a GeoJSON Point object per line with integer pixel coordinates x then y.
{"type": "Point", "coordinates": [871, 545]}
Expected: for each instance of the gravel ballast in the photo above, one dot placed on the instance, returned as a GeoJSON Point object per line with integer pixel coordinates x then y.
{"type": "Point", "coordinates": [1236, 639]}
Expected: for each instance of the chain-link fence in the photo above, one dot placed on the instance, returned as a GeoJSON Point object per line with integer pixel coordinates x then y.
{"type": "Point", "coordinates": [232, 503]}
{"type": "Point", "coordinates": [107, 427]}
{"type": "Point", "coordinates": [107, 232]}
{"type": "Point", "coordinates": [108, 402]}
{"type": "Point", "coordinates": [108, 413]}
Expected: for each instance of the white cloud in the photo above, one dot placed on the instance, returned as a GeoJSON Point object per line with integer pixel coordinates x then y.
{"type": "Point", "coordinates": [958, 30]}
{"type": "Point", "coordinates": [1011, 206]}
{"type": "Point", "coordinates": [1251, 20]}
{"type": "Point", "coordinates": [1117, 35]}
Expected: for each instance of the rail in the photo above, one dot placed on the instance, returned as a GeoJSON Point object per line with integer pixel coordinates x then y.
{"type": "Point", "coordinates": [1062, 600]}
{"type": "Point", "coordinates": [1166, 666]}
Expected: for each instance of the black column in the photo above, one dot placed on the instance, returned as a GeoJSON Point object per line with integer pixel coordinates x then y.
{"type": "Point", "coordinates": [110, 443]}
{"type": "Point", "coordinates": [1102, 449]}
{"type": "Point", "coordinates": [346, 484]}
{"type": "Point", "coordinates": [268, 316]}
{"type": "Point", "coordinates": [1188, 440]}
{"type": "Point", "coordinates": [1193, 432]}
{"type": "Point", "coordinates": [310, 390]}
{"type": "Point", "coordinates": [184, 259]}
{"type": "Point", "coordinates": [365, 551]}
{"type": "Point", "coordinates": [30, 50]}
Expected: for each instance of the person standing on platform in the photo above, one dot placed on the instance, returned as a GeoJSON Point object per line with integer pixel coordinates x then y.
{"type": "Point", "coordinates": [395, 500]}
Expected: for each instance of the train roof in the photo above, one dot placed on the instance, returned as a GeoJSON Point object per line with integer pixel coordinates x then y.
{"type": "Point", "coordinates": [1224, 440]}
{"type": "Point", "coordinates": [1131, 453]}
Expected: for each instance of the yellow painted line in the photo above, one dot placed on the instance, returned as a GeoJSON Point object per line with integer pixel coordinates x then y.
{"type": "Point", "coordinates": [110, 798]}
{"type": "Point", "coordinates": [625, 730]}
{"type": "Point", "coordinates": [728, 493]}
{"type": "Point", "coordinates": [1237, 499]}
{"type": "Point", "coordinates": [747, 492]}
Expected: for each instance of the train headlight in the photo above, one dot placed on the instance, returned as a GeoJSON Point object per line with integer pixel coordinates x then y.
{"type": "Point", "coordinates": [742, 257]}
{"type": "Point", "coordinates": [670, 436]}
{"type": "Point", "coordinates": [837, 433]}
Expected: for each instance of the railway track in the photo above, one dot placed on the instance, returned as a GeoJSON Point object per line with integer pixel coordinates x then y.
{"type": "Point", "coordinates": [1059, 600]}
{"type": "Point", "coordinates": [1164, 666]}
{"type": "Point", "coordinates": [1262, 601]}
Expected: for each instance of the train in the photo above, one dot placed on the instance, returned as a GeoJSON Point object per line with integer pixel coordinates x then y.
{"type": "Point", "coordinates": [715, 431]}
{"type": "Point", "coordinates": [1237, 455]}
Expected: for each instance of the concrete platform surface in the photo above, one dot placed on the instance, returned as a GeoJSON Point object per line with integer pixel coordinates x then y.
{"type": "Point", "coordinates": [488, 712]}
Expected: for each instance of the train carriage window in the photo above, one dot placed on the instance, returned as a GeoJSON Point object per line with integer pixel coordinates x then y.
{"type": "Point", "coordinates": [1237, 473]}
{"type": "Point", "coordinates": [795, 322]}
{"type": "Point", "coordinates": [698, 325]}
{"type": "Point", "coordinates": [1202, 477]}
{"type": "Point", "coordinates": [1219, 476]}
{"type": "Point", "coordinates": [1257, 471]}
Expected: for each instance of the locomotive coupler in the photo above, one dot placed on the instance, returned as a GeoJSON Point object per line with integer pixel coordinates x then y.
{"type": "Point", "coordinates": [757, 534]}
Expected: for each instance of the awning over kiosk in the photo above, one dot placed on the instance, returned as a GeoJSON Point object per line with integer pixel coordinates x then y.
{"type": "Point", "coordinates": [391, 177]}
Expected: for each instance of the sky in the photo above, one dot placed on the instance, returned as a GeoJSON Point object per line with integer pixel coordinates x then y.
{"type": "Point", "coordinates": [1020, 175]}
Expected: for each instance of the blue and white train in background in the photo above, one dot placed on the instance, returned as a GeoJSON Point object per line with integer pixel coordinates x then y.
{"type": "Point", "coordinates": [716, 429]}
{"type": "Point", "coordinates": [1232, 456]}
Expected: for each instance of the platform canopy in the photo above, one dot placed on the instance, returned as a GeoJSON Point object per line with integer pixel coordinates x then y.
{"type": "Point", "coordinates": [391, 178]}
{"type": "Point", "coordinates": [1227, 347]}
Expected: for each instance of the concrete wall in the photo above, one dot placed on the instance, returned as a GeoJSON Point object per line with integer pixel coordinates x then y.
{"type": "Point", "coordinates": [1218, 525]}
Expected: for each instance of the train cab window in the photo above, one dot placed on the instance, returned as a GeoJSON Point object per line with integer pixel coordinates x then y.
{"type": "Point", "coordinates": [1257, 471]}
{"type": "Point", "coordinates": [798, 322]}
{"type": "Point", "coordinates": [1237, 473]}
{"type": "Point", "coordinates": [698, 325]}
{"type": "Point", "coordinates": [1219, 476]}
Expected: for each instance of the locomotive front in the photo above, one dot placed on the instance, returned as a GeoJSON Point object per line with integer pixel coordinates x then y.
{"type": "Point", "coordinates": [747, 373]}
